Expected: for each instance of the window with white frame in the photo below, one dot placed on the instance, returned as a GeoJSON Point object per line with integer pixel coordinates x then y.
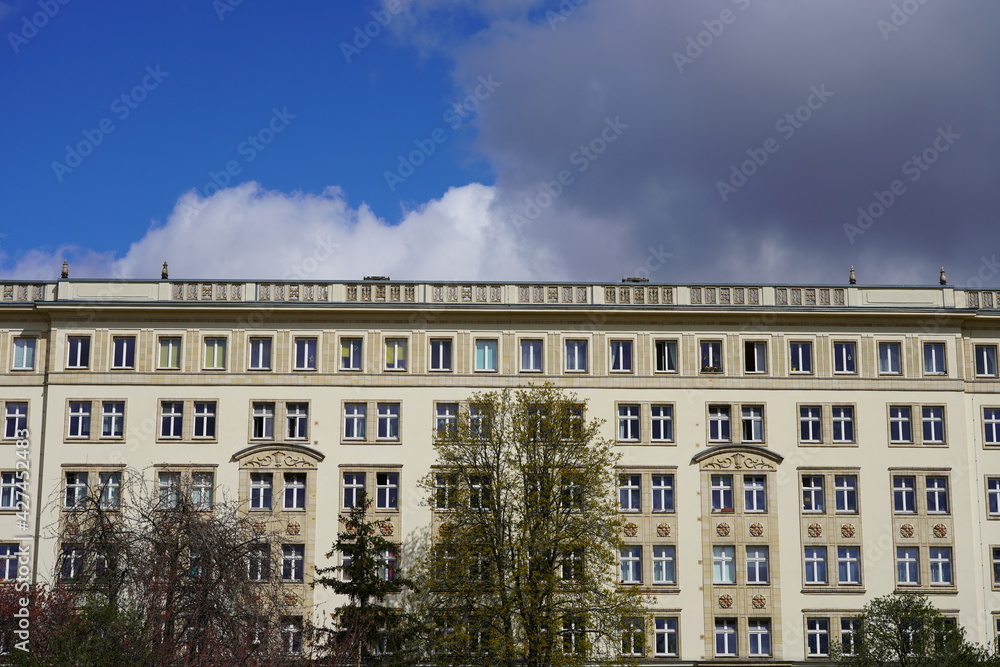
{"type": "Point", "coordinates": [940, 562]}
{"type": "Point", "coordinates": [986, 360]}
{"type": "Point", "coordinates": [576, 356]}
{"type": "Point", "coordinates": [759, 637]}
{"type": "Point", "coordinates": [295, 490]}
{"type": "Point", "coordinates": [480, 491]}
{"type": "Point", "coordinates": [900, 424]}
{"type": "Point", "coordinates": [844, 357]}
{"type": "Point", "coordinates": [725, 637]}
{"type": "Point", "coordinates": [628, 422]}
{"type": "Point", "coordinates": [996, 566]}
{"type": "Point", "coordinates": [724, 565]}
{"type": "Point", "coordinates": [661, 423]}
{"type": "Point", "coordinates": [445, 490]}
{"type": "Point", "coordinates": [70, 562]}
{"type": "Point", "coordinates": [293, 562]}
{"type": "Point", "coordinates": [350, 354]}
{"type": "Point", "coordinates": [15, 419]}
{"type": "Point", "coordinates": [171, 419]}
{"type": "Point", "coordinates": [388, 564]}
{"type": "Point", "coordinates": [850, 635]}
{"type": "Point", "coordinates": [78, 355]}
{"type": "Point", "coordinates": [261, 490]}
{"type": "Point", "coordinates": [170, 353]}
{"type": "Point", "coordinates": [753, 423]}
{"type": "Point", "coordinates": [630, 493]}
{"type": "Point", "coordinates": [169, 489]}
{"type": "Point", "coordinates": [306, 353]}
{"type": "Point", "coordinates": [843, 423]}
{"type": "Point", "coordinates": [291, 635]}
{"type": "Point", "coordinates": [907, 566]}
{"type": "Point", "coordinates": [9, 554]}
{"type": "Point", "coordinates": [991, 426]}
{"type": "Point", "coordinates": [934, 359]}
{"type": "Point", "coordinates": [665, 637]}
{"type": "Point", "coordinates": [932, 417]}
{"type": "Point", "coordinates": [849, 565]}
{"type": "Point", "coordinates": [633, 637]}
{"type": "Point", "coordinates": [446, 419]}
{"type": "Point", "coordinates": [754, 493]}
{"type": "Point", "coordinates": [810, 423]}
{"type": "Point", "coordinates": [395, 354]}
{"type": "Point", "coordinates": [904, 494]}
{"type": "Point", "coordinates": [755, 356]}
{"type": "Point", "coordinates": [800, 360]}
{"type": "Point", "coordinates": [993, 496]}
{"type": "Point", "coordinates": [388, 421]}
{"type": "Point", "coordinates": [215, 353]}
{"type": "Point", "coordinates": [889, 359]}
{"type": "Point", "coordinates": [202, 490]}
{"type": "Point", "coordinates": [387, 490]}
{"type": "Point", "coordinates": [813, 496]}
{"type": "Point", "coordinates": [487, 355]}
{"type": "Point", "coordinates": [845, 488]}
{"type": "Point", "coordinates": [621, 356]}
{"type": "Point", "coordinates": [79, 419]}
{"type": "Point", "coordinates": [440, 354]}
{"type": "Point", "coordinates": [815, 565]}
{"type": "Point", "coordinates": [937, 494]}
{"type": "Point", "coordinates": [123, 352]}
{"type": "Point", "coordinates": [259, 566]}
{"type": "Point", "coordinates": [11, 486]}
{"type": "Point", "coordinates": [262, 420]}
{"type": "Point", "coordinates": [260, 354]}
{"type": "Point", "coordinates": [817, 637]}
{"type": "Point", "coordinates": [297, 421]}
{"type": "Point", "coordinates": [630, 561]}
{"type": "Point", "coordinates": [531, 355]}
{"type": "Point", "coordinates": [711, 356]}
{"type": "Point", "coordinates": [112, 419]}
{"type": "Point", "coordinates": [355, 417]}
{"type": "Point", "coordinates": [354, 490]}
{"type": "Point", "coordinates": [664, 564]}
{"type": "Point", "coordinates": [204, 419]}
{"type": "Point", "coordinates": [722, 493]}
{"type": "Point", "coordinates": [665, 356]}
{"type": "Point", "coordinates": [757, 565]}
{"type": "Point", "coordinates": [24, 353]}
{"type": "Point", "coordinates": [663, 493]}
{"type": "Point", "coordinates": [719, 427]}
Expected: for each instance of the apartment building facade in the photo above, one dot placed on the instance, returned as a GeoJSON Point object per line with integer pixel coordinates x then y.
{"type": "Point", "coordinates": [787, 453]}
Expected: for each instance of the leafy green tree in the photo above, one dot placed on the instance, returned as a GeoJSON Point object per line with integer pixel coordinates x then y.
{"type": "Point", "coordinates": [524, 563]}
{"type": "Point", "coordinates": [906, 630]}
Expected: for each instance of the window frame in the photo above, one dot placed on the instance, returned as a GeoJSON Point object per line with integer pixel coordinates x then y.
{"type": "Point", "coordinates": [800, 357]}
{"type": "Point", "coordinates": [723, 564]}
{"type": "Point", "coordinates": [935, 367]}
{"type": "Point", "coordinates": [885, 362]}
{"type": "Point", "coordinates": [260, 353]}
{"type": "Point", "coordinates": [815, 563]}
{"type": "Point", "coordinates": [988, 367]}
{"type": "Point", "coordinates": [665, 344]}
{"type": "Point", "coordinates": [78, 349]}
{"type": "Point", "coordinates": [396, 358]}
{"type": "Point", "coordinates": [352, 351]}
{"type": "Point", "coordinates": [490, 364]}
{"type": "Point", "coordinates": [113, 414]}
{"type": "Point", "coordinates": [15, 415]}
{"type": "Point", "coordinates": [664, 560]}
{"type": "Point", "coordinates": [712, 351]}
{"type": "Point", "coordinates": [848, 563]}
{"type": "Point", "coordinates": [760, 572]}
{"type": "Point", "coordinates": [629, 421]}
{"type": "Point", "coordinates": [301, 345]}
{"type": "Point", "coordinates": [19, 350]}
{"type": "Point", "coordinates": [127, 352]}
{"type": "Point", "coordinates": [755, 357]}
{"type": "Point", "coordinates": [621, 356]}
{"type": "Point", "coordinates": [991, 426]}
{"type": "Point", "coordinates": [219, 346]}
{"type": "Point", "coordinates": [846, 362]}
{"type": "Point", "coordinates": [534, 361]}
{"type": "Point", "coordinates": [441, 361]}
{"type": "Point", "coordinates": [172, 346]}
{"type": "Point", "coordinates": [261, 485]}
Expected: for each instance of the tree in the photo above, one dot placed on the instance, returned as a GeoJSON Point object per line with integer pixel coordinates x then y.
{"type": "Point", "coordinates": [369, 576]}
{"type": "Point", "coordinates": [906, 630]}
{"type": "Point", "coordinates": [524, 562]}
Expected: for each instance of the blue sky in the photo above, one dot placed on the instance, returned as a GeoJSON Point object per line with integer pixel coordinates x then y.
{"type": "Point", "coordinates": [719, 140]}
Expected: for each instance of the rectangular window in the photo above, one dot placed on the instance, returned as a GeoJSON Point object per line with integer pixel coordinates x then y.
{"type": "Point", "coordinates": [907, 566]}
{"type": "Point", "coordinates": [845, 489]}
{"type": "Point", "coordinates": [79, 352]}
{"type": "Point", "coordinates": [11, 484]}
{"type": "Point", "coordinates": [933, 423]}
{"type": "Point", "coordinates": [355, 416]}
{"type": "Point", "coordinates": [387, 490]}
{"type": "Point", "coordinates": [888, 359]}
{"type": "Point", "coordinates": [112, 419]}
{"type": "Point", "coordinates": [481, 491]}
{"type": "Point", "coordinates": [725, 637]}
{"type": "Point", "coordinates": [850, 629]}
{"type": "Point", "coordinates": [759, 636]}
{"type": "Point", "coordinates": [354, 490]}
{"type": "Point", "coordinates": [204, 419]}
{"type": "Point", "coordinates": [996, 566]}
{"type": "Point", "coordinates": [663, 493]}
{"type": "Point", "coordinates": [940, 560]}
{"type": "Point", "coordinates": [169, 488]}
{"type": "Point", "coordinates": [263, 421]}
{"type": "Point", "coordinates": [291, 635]}
{"type": "Point", "coordinates": [170, 352]}
{"type": "Point", "coordinates": [633, 637]}
{"type": "Point", "coordinates": [261, 489]}
{"type": "Point", "coordinates": [628, 423]}
{"type": "Point", "coordinates": [757, 570]}
{"type": "Point", "coordinates": [993, 495]}
{"type": "Point", "coordinates": [630, 493]}
{"type": "Point", "coordinates": [350, 354]}
{"type": "Point", "coordinates": [297, 421]}
{"type": "Point", "coordinates": [531, 356]}
{"type": "Point", "coordinates": [305, 354]}
{"type": "Point", "coordinates": [754, 493]}
{"type": "Point", "coordinates": [395, 354]}
{"type": "Point", "coordinates": [202, 490]}
{"type": "Point", "coordinates": [576, 356]}
{"type": "Point", "coordinates": [388, 421]}
{"type": "Point", "coordinates": [123, 352]}
{"type": "Point", "coordinates": [24, 354]}
{"type": "Point", "coordinates": [295, 490]}
{"type": "Point", "coordinates": [722, 493]}
{"type": "Point", "coordinates": [718, 424]}
{"type": "Point", "coordinates": [662, 423]}
{"type": "Point", "coordinates": [388, 565]}
{"type": "Point", "coordinates": [753, 423]}
{"type": "Point", "coordinates": [440, 354]}
{"type": "Point", "coordinates": [215, 354]}
{"type": "Point", "coordinates": [849, 565]}
{"type": "Point", "coordinates": [630, 559]}
{"type": "Point", "coordinates": [815, 562]}
{"type": "Point", "coordinates": [664, 565]}
{"type": "Point", "coordinates": [665, 637]}
{"type": "Point", "coordinates": [76, 490]}
{"type": "Point", "coordinates": [171, 419]}
{"type": "Point", "coordinates": [445, 491]}
{"type": "Point", "coordinates": [843, 423]}
{"type": "Point", "coordinates": [844, 356]}
{"type": "Point", "coordinates": [260, 562]}
{"type": "Point", "coordinates": [8, 569]}
{"type": "Point", "coordinates": [813, 499]}
{"type": "Point", "coordinates": [621, 356]}
{"type": "Point", "coordinates": [934, 360]}
{"type": "Point", "coordinates": [900, 424]}
{"type": "Point", "coordinates": [293, 562]}
{"type": "Point", "coordinates": [801, 357]}
{"type": "Point", "coordinates": [991, 426]}
{"type": "Point", "coordinates": [937, 495]}
{"type": "Point", "coordinates": [986, 361]}
{"type": "Point", "coordinates": [904, 494]}
{"type": "Point", "coordinates": [817, 637]}
{"type": "Point", "coordinates": [487, 354]}
{"type": "Point", "coordinates": [70, 562]}
{"type": "Point", "coordinates": [665, 353]}
{"type": "Point", "coordinates": [724, 565]}
{"type": "Point", "coordinates": [260, 354]}
{"type": "Point", "coordinates": [15, 419]}
{"type": "Point", "coordinates": [755, 356]}
{"type": "Point", "coordinates": [810, 424]}
{"type": "Point", "coordinates": [446, 419]}
{"type": "Point", "coordinates": [79, 419]}
{"type": "Point", "coordinates": [111, 490]}
{"type": "Point", "coordinates": [711, 356]}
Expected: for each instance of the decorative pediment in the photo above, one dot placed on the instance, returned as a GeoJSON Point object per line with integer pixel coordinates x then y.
{"type": "Point", "coordinates": [278, 456]}
{"type": "Point", "coordinates": [738, 458]}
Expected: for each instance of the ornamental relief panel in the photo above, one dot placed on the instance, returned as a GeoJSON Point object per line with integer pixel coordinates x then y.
{"type": "Point", "coordinates": [279, 459]}
{"type": "Point", "coordinates": [737, 461]}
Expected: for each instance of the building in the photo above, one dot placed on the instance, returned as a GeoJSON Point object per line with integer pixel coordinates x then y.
{"type": "Point", "coordinates": [789, 453]}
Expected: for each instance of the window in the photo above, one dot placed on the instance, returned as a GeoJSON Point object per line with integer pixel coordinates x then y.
{"type": "Point", "coordinates": [260, 354]}
{"type": "Point", "coordinates": [665, 353]}
{"type": "Point", "coordinates": [261, 487]}
{"type": "Point", "coordinates": [573, 637]}
{"type": "Point", "coordinates": [718, 423]}
{"type": "Point", "coordinates": [576, 356]}
{"type": "Point", "coordinates": [810, 424]}
{"type": "Point", "coordinates": [169, 487]}
{"type": "Point", "coordinates": [757, 572]}
{"type": "Point", "coordinates": [630, 559]}
{"type": "Point", "coordinates": [76, 489]}
{"type": "Point", "coordinates": [480, 491]}
{"type": "Point", "coordinates": [844, 355]}
{"type": "Point", "coordinates": [446, 419]}
{"type": "Point", "coordinates": [725, 637]}
{"type": "Point", "coordinates": [849, 565]}
{"type": "Point", "coordinates": [295, 490]}
{"type": "Point", "coordinates": [70, 562]}
{"type": "Point", "coordinates": [259, 567]}
{"type": "Point", "coordinates": [630, 493]}
{"type": "Point", "coordinates": [440, 354]}
{"type": "Point", "coordinates": [170, 352]}
{"type": "Point", "coordinates": [722, 493]}
{"type": "Point", "coordinates": [759, 635]}
{"type": "Point", "coordinates": [202, 490]}
{"type": "Point", "coordinates": [888, 359]}
{"type": "Point", "coordinates": [817, 637]}
{"type": "Point", "coordinates": [633, 637]}
{"type": "Point", "coordinates": [445, 491]}
{"type": "Point", "coordinates": [215, 353]}
{"type": "Point", "coordinates": [991, 425]}
{"type": "Point", "coordinates": [572, 565]}
{"type": "Point", "coordinates": [291, 635]}
{"type": "Point", "coordinates": [934, 360]}
{"type": "Point", "coordinates": [396, 354]}
{"type": "Point", "coordinates": [724, 565]}
{"type": "Point", "coordinates": [531, 355]}
{"type": "Point", "coordinates": [753, 423]}
{"type": "Point", "coordinates": [996, 566]}
{"type": "Point", "coordinates": [907, 566]}
{"type": "Point", "coordinates": [664, 565]}
{"type": "Point", "coordinates": [937, 495]}
{"type": "Point", "coordinates": [940, 559]}
{"type": "Point", "coordinates": [15, 419]}
{"type": "Point", "coordinates": [845, 489]}
{"type": "Point", "coordinates": [665, 637]}
{"type": "Point", "coordinates": [815, 561]}
{"type": "Point", "coordinates": [79, 352]}
{"type": "Point", "coordinates": [305, 354]}
{"type": "Point", "coordinates": [754, 493]}
{"type": "Point", "coordinates": [487, 351]}
{"type": "Point", "coordinates": [350, 354]}
{"type": "Point", "coordinates": [262, 420]}
{"type": "Point", "coordinates": [993, 495]}
{"type": "Point", "coordinates": [8, 562]}
{"type": "Point", "coordinates": [123, 352]}
{"type": "Point", "coordinates": [755, 356]}
{"type": "Point", "coordinates": [204, 419]}
{"type": "Point", "coordinates": [354, 490]}
{"type": "Point", "coordinates": [388, 421]}
{"type": "Point", "coordinates": [171, 419]}
{"type": "Point", "coordinates": [355, 415]}
{"type": "Point", "coordinates": [628, 423]}
{"type": "Point", "coordinates": [986, 361]}
{"type": "Point", "coordinates": [79, 419]}
{"type": "Point", "coordinates": [850, 635]}
{"type": "Point", "coordinates": [663, 493]}
{"type": "Point", "coordinates": [812, 494]}
{"type": "Point", "coordinates": [112, 419]}
{"type": "Point", "coordinates": [293, 562]}
{"type": "Point", "coordinates": [933, 423]}
{"type": "Point", "coordinates": [711, 356]}
{"type": "Point", "coordinates": [621, 356]}
{"type": "Point", "coordinates": [388, 565]}
{"type": "Point", "coordinates": [662, 423]}
{"type": "Point", "coordinates": [900, 425]}
{"type": "Point", "coordinates": [387, 490]}
{"type": "Point", "coordinates": [801, 357]}
{"type": "Point", "coordinates": [479, 422]}
{"type": "Point", "coordinates": [11, 484]}
{"type": "Point", "coordinates": [24, 354]}
{"type": "Point", "coordinates": [904, 495]}
{"type": "Point", "coordinates": [843, 423]}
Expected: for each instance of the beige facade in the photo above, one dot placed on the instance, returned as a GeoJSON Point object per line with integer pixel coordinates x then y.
{"type": "Point", "coordinates": [787, 453]}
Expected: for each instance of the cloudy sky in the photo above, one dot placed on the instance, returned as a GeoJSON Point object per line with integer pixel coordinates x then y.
{"type": "Point", "coordinates": [708, 141]}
